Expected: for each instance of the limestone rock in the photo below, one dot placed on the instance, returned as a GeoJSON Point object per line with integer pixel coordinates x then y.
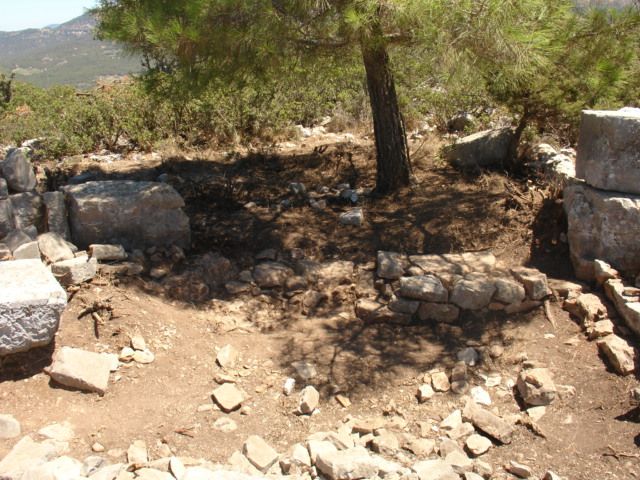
{"type": "Point", "coordinates": [31, 302]}
{"type": "Point", "coordinates": [259, 453]}
{"type": "Point", "coordinates": [534, 281]}
{"type": "Point", "coordinates": [482, 149]}
{"type": "Point", "coordinates": [425, 392]}
{"type": "Point", "coordinates": [15, 239]}
{"type": "Point", "coordinates": [7, 222]}
{"type": "Point", "coordinates": [56, 219]}
{"type": "Point", "coordinates": [107, 253]}
{"type": "Point", "coordinates": [24, 455]}
{"type": "Point", "coordinates": [27, 251]}
{"type": "Point", "coordinates": [28, 210]}
{"type": "Point", "coordinates": [508, 291]}
{"type": "Point", "coordinates": [227, 356]}
{"type": "Point", "coordinates": [619, 352]}
{"type": "Point", "coordinates": [474, 292]}
{"type": "Point", "coordinates": [488, 422]}
{"type": "Point", "coordinates": [602, 225]}
{"type": "Point", "coordinates": [81, 369]}
{"type": "Point", "coordinates": [61, 432]}
{"type": "Point", "coordinates": [9, 427]}
{"type": "Point", "coordinates": [438, 312]}
{"type": "Point", "coordinates": [54, 248]}
{"type": "Point", "coordinates": [478, 445]}
{"type": "Point", "coordinates": [608, 150]}
{"type": "Point", "coordinates": [271, 274]}
{"type": "Point", "coordinates": [402, 305]}
{"type": "Point", "coordinates": [440, 382]}
{"type": "Point", "coordinates": [390, 265]}
{"type": "Point", "coordinates": [353, 464]}
{"type": "Point", "coordinates": [354, 217]}
{"type": "Point", "coordinates": [374, 312]}
{"type": "Point", "coordinates": [435, 470]}
{"type": "Point", "coordinates": [536, 387]}
{"type": "Point", "coordinates": [309, 399]}
{"type": "Point", "coordinates": [428, 288]}
{"type": "Point", "coordinates": [228, 397]}
{"type": "Point", "coordinates": [18, 171]}
{"type": "Point", "coordinates": [137, 453]}
{"type": "Point", "coordinates": [519, 470]}
{"type": "Point", "coordinates": [133, 214]}
{"type": "Point", "coordinates": [75, 271]}
{"type": "Point", "coordinates": [627, 304]}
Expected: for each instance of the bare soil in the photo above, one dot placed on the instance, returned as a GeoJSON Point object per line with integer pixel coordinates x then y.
{"type": "Point", "coordinates": [592, 434]}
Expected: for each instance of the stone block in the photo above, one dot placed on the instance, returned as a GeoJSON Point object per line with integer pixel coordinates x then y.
{"type": "Point", "coordinates": [31, 302]}
{"type": "Point", "coordinates": [627, 303]}
{"type": "Point", "coordinates": [56, 214]}
{"type": "Point", "coordinates": [133, 214]}
{"type": "Point", "coordinates": [602, 225]}
{"type": "Point", "coordinates": [108, 253]}
{"type": "Point", "coordinates": [54, 247]}
{"type": "Point", "coordinates": [80, 369]}
{"type": "Point", "coordinates": [474, 292]}
{"type": "Point", "coordinates": [18, 171]}
{"type": "Point", "coordinates": [75, 271]}
{"type": "Point", "coordinates": [489, 148]}
{"type": "Point", "coordinates": [609, 150]}
{"type": "Point", "coordinates": [7, 222]}
{"type": "Point", "coordinates": [28, 210]}
{"type": "Point", "coordinates": [27, 251]}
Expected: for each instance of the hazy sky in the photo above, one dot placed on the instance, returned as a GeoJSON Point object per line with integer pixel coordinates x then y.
{"type": "Point", "coordinates": [21, 14]}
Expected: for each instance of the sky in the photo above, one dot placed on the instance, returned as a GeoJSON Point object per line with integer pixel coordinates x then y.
{"type": "Point", "coordinates": [21, 14]}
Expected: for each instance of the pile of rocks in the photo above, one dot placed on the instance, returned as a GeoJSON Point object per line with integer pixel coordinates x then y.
{"type": "Point", "coordinates": [438, 287]}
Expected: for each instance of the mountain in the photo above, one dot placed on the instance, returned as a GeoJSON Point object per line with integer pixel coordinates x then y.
{"type": "Point", "coordinates": [63, 54]}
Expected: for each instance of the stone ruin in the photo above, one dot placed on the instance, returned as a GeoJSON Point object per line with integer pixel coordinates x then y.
{"type": "Point", "coordinates": [41, 234]}
{"type": "Point", "coordinates": [603, 207]}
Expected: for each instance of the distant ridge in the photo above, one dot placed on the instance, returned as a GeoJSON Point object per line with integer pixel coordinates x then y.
{"type": "Point", "coordinates": [66, 53]}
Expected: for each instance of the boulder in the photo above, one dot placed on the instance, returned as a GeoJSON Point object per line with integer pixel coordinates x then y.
{"type": "Point", "coordinates": [82, 370]}
{"type": "Point", "coordinates": [7, 222]}
{"type": "Point", "coordinates": [609, 150]}
{"type": "Point", "coordinates": [602, 225]}
{"type": "Point", "coordinates": [56, 214]}
{"type": "Point", "coordinates": [28, 210]}
{"type": "Point", "coordinates": [136, 215]}
{"type": "Point", "coordinates": [474, 292]}
{"type": "Point", "coordinates": [31, 302]}
{"type": "Point", "coordinates": [619, 352]}
{"type": "Point", "coordinates": [489, 148]}
{"type": "Point", "coordinates": [428, 288]}
{"type": "Point", "coordinates": [353, 464]}
{"type": "Point", "coordinates": [54, 248]}
{"type": "Point", "coordinates": [24, 455]}
{"type": "Point", "coordinates": [259, 453]}
{"type": "Point", "coordinates": [488, 422]}
{"type": "Point", "coordinates": [18, 171]}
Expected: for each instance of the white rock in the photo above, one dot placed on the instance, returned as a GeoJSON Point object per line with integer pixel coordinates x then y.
{"type": "Point", "coordinates": [227, 356]}
{"type": "Point", "coordinates": [225, 425]}
{"type": "Point", "coordinates": [480, 396]}
{"type": "Point", "coordinates": [81, 369]}
{"type": "Point", "coordinates": [24, 455]}
{"type": "Point", "coordinates": [288, 386]}
{"type": "Point", "coordinates": [305, 370]}
{"type": "Point", "coordinates": [9, 427]}
{"type": "Point", "coordinates": [425, 392]}
{"type": "Point", "coordinates": [453, 421]}
{"type": "Point", "coordinates": [137, 453]}
{"type": "Point", "coordinates": [435, 470]}
{"type": "Point", "coordinates": [353, 217]}
{"type": "Point", "coordinates": [228, 397]}
{"type": "Point", "coordinates": [259, 453]}
{"type": "Point", "coordinates": [478, 445]}
{"type": "Point", "coordinates": [62, 432]}
{"type": "Point", "coordinates": [309, 399]}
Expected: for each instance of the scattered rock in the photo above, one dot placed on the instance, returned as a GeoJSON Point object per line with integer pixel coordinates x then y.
{"type": "Point", "coordinates": [24, 455]}
{"type": "Point", "coordinates": [271, 274]}
{"type": "Point", "coordinates": [488, 422]}
{"type": "Point", "coordinates": [390, 265]}
{"type": "Point", "coordinates": [435, 470]}
{"type": "Point", "coordinates": [519, 470]}
{"type": "Point", "coordinates": [508, 291]}
{"type": "Point", "coordinates": [309, 399]}
{"type": "Point", "coordinates": [227, 356]}
{"type": "Point", "coordinates": [619, 352]}
{"type": "Point", "coordinates": [600, 329]}
{"type": "Point", "coordinates": [228, 397]}
{"type": "Point", "coordinates": [534, 281]}
{"type": "Point", "coordinates": [453, 421]}
{"type": "Point", "coordinates": [352, 464]}
{"type": "Point", "coordinates": [474, 292]}
{"type": "Point", "coordinates": [627, 306]}
{"type": "Point", "coordinates": [354, 217]}
{"type": "Point", "coordinates": [61, 432]}
{"type": "Point", "coordinates": [137, 453]}
{"type": "Point", "coordinates": [428, 288]}
{"type": "Point", "coordinates": [478, 445]}
{"type": "Point", "coordinates": [225, 425]}
{"type": "Point", "coordinates": [259, 453]}
{"type": "Point", "coordinates": [440, 382]}
{"type": "Point", "coordinates": [9, 427]}
{"type": "Point", "coordinates": [480, 396]}
{"type": "Point", "coordinates": [75, 271]}
{"type": "Point", "coordinates": [288, 386]}
{"type": "Point", "coordinates": [107, 253]}
{"type": "Point", "coordinates": [536, 413]}
{"type": "Point", "coordinates": [27, 251]}
{"type": "Point", "coordinates": [536, 387]}
{"type": "Point", "coordinates": [32, 302]}
{"type": "Point", "coordinates": [81, 369]}
{"type": "Point", "coordinates": [425, 392]}
{"type": "Point", "coordinates": [54, 247]}
{"type": "Point", "coordinates": [143, 357]}
{"type": "Point", "coordinates": [482, 149]}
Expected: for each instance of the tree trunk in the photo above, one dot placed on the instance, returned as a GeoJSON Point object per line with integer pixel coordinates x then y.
{"type": "Point", "coordinates": [393, 164]}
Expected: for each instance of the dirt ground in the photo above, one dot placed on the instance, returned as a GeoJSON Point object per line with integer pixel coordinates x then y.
{"type": "Point", "coordinates": [590, 434]}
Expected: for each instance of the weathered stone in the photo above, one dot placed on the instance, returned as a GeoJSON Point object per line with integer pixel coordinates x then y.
{"type": "Point", "coordinates": [76, 368]}
{"type": "Point", "coordinates": [54, 248]}
{"type": "Point", "coordinates": [508, 291]}
{"type": "Point", "coordinates": [9, 427]}
{"type": "Point", "coordinates": [438, 312]}
{"type": "Point", "coordinates": [75, 271]}
{"type": "Point", "coordinates": [390, 265]}
{"type": "Point", "coordinates": [435, 470]}
{"type": "Point", "coordinates": [425, 392]}
{"type": "Point", "coordinates": [227, 356]}
{"type": "Point", "coordinates": [133, 214]}
{"type": "Point", "coordinates": [488, 422]}
{"type": "Point", "coordinates": [61, 432]}
{"type": "Point", "coordinates": [228, 397]}
{"type": "Point", "coordinates": [338, 272]}
{"type": "Point", "coordinates": [16, 238]}
{"type": "Point", "coordinates": [137, 453]}
{"type": "Point", "coordinates": [469, 356]}
{"type": "Point", "coordinates": [549, 475]}
{"type": "Point", "coordinates": [534, 281]}
{"type": "Point", "coordinates": [436, 264]}
{"type": "Point", "coordinates": [385, 443]}
{"type": "Point", "coordinates": [619, 352]}
{"type": "Point", "coordinates": [480, 396]}
{"type": "Point", "coordinates": [27, 251]}
{"type": "Point", "coordinates": [421, 447]}
{"type": "Point", "coordinates": [602, 225]}
{"type": "Point", "coordinates": [153, 474]}
{"type": "Point", "coordinates": [536, 387]}
{"type": "Point", "coordinates": [489, 148]}
{"type": "Point", "coordinates": [304, 370]}
{"type": "Point", "coordinates": [271, 274]}
{"type": "Point", "coordinates": [354, 217]}
{"type": "Point", "coordinates": [56, 214]}
{"type": "Point", "coordinates": [353, 464]}
{"type": "Point", "coordinates": [628, 306]}
{"type": "Point", "coordinates": [374, 312]}
{"type": "Point", "coordinates": [587, 308]}
{"type": "Point", "coordinates": [259, 453]}
{"type": "Point", "coordinates": [472, 476]}
{"type": "Point", "coordinates": [18, 171]}
{"type": "Point", "coordinates": [4, 188]}
{"type": "Point", "coordinates": [600, 329]}
{"type": "Point", "coordinates": [402, 305]}
{"type": "Point", "coordinates": [7, 222]}
{"type": "Point", "coordinates": [31, 302]}
{"type": "Point", "coordinates": [478, 445]}
{"type": "Point", "coordinates": [608, 150]}
{"type": "Point", "coordinates": [519, 470]}
{"type": "Point", "coordinates": [61, 467]}
{"type": "Point", "coordinates": [107, 253]}
{"type": "Point", "coordinates": [474, 292]}
{"type": "Point", "coordinates": [459, 461]}
{"type": "Point", "coordinates": [309, 399]}
{"type": "Point", "coordinates": [440, 382]}
{"type": "Point", "coordinates": [317, 447]}
{"type": "Point", "coordinates": [28, 210]}
{"type": "Point", "coordinates": [428, 288]}
{"type": "Point", "coordinates": [24, 455]}
{"type": "Point", "coordinates": [603, 271]}
{"type": "Point", "coordinates": [565, 289]}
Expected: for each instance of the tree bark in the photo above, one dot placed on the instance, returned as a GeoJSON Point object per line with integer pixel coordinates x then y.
{"type": "Point", "coordinates": [393, 163]}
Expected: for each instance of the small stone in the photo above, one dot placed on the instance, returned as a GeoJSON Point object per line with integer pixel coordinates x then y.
{"type": "Point", "coordinates": [316, 447]}
{"type": "Point", "coordinates": [355, 463]}
{"type": "Point", "coordinates": [343, 401]}
{"type": "Point", "coordinates": [225, 425]}
{"type": "Point", "coordinates": [534, 281]}
{"type": "Point", "coordinates": [478, 445]}
{"type": "Point", "coordinates": [440, 382]}
{"type": "Point", "coordinates": [354, 217]}
{"type": "Point", "coordinates": [309, 399]}
{"type": "Point", "coordinates": [143, 356]}
{"type": "Point", "coordinates": [600, 329]}
{"type": "Point", "coordinates": [480, 396]}
{"type": "Point", "coordinates": [9, 427]}
{"type": "Point", "coordinates": [81, 369]}
{"type": "Point", "coordinates": [488, 422]}
{"type": "Point", "coordinates": [54, 247]}
{"type": "Point", "coordinates": [27, 251]}
{"type": "Point", "coordinates": [138, 343]}
{"type": "Point", "coordinates": [385, 443]}
{"type": "Point", "coordinates": [75, 271]}
{"type": "Point", "coordinates": [427, 288]}
{"type": "Point", "coordinates": [177, 468]}
{"type": "Point", "coordinates": [61, 432]}
{"type": "Point", "coordinates": [509, 291]}
{"type": "Point", "coordinates": [305, 370]}
{"type": "Point", "coordinates": [459, 461]}
{"type": "Point", "coordinates": [97, 447]}
{"type": "Point", "coordinates": [227, 356]}
{"type": "Point", "coordinates": [536, 413]}
{"type": "Point", "coordinates": [390, 265]}
{"type": "Point", "coordinates": [461, 431]}
{"type": "Point", "coordinates": [435, 470]}
{"type": "Point", "coordinates": [474, 292]}
{"type": "Point", "coordinates": [519, 470]}
{"type": "Point", "coordinates": [549, 475]}
{"type": "Point", "coordinates": [107, 253]}
{"type": "Point", "coordinates": [228, 397]}
{"type": "Point", "coordinates": [469, 356]}
{"type": "Point", "coordinates": [425, 392]}
{"type": "Point", "coordinates": [472, 476]}
{"type": "Point", "coordinates": [496, 351]}
{"type": "Point", "coordinates": [421, 447]}
{"type": "Point", "coordinates": [137, 453]}
{"type": "Point", "coordinates": [402, 305]}
{"type": "Point", "coordinates": [288, 386]}
{"type": "Point", "coordinates": [259, 453]}
{"type": "Point", "coordinates": [484, 469]}
{"type": "Point", "coordinates": [126, 354]}
{"type": "Point", "coordinates": [536, 387]}
{"type": "Point", "coordinates": [454, 420]}
{"type": "Point", "coordinates": [619, 352]}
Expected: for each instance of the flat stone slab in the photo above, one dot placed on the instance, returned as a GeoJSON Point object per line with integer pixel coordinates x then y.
{"type": "Point", "coordinates": [80, 369]}
{"type": "Point", "coordinates": [24, 455]}
{"type": "Point", "coordinates": [133, 214]}
{"type": "Point", "coordinates": [609, 150]}
{"type": "Point", "coordinates": [31, 302]}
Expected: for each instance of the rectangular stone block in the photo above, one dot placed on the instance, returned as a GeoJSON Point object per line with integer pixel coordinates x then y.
{"type": "Point", "coordinates": [56, 214]}
{"type": "Point", "coordinates": [31, 302]}
{"type": "Point", "coordinates": [609, 150]}
{"type": "Point", "coordinates": [81, 369]}
{"type": "Point", "coordinates": [604, 226]}
{"type": "Point", "coordinates": [136, 215]}
{"type": "Point", "coordinates": [28, 210]}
